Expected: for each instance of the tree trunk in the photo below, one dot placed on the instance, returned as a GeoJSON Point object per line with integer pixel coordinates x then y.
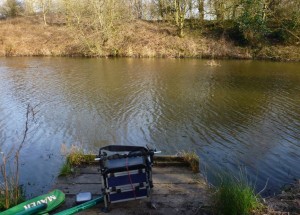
{"type": "Point", "coordinates": [219, 10]}
{"type": "Point", "coordinates": [181, 7]}
{"type": "Point", "coordinates": [201, 10]}
{"type": "Point", "coordinates": [264, 11]}
{"type": "Point", "coordinates": [181, 25]}
{"type": "Point", "coordinates": [161, 8]}
{"type": "Point", "coordinates": [176, 12]}
{"type": "Point", "coordinates": [44, 17]}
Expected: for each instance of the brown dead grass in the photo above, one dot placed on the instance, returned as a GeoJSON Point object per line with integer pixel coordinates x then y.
{"type": "Point", "coordinates": [280, 53]}
{"type": "Point", "coordinates": [146, 39]}
{"type": "Point", "coordinates": [28, 36]}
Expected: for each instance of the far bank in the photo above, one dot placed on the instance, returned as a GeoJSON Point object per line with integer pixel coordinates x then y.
{"type": "Point", "coordinates": [29, 36]}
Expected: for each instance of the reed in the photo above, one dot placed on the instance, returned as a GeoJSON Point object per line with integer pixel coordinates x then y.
{"type": "Point", "coordinates": [11, 193]}
{"type": "Point", "coordinates": [9, 197]}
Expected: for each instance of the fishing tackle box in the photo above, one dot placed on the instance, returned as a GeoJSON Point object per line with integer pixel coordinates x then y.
{"type": "Point", "coordinates": [126, 173]}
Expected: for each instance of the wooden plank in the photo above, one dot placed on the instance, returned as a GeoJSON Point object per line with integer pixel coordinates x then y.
{"type": "Point", "coordinates": [73, 189]}
{"type": "Point", "coordinates": [164, 158]}
{"type": "Point", "coordinates": [170, 170]}
{"type": "Point", "coordinates": [165, 200]}
{"type": "Point", "coordinates": [161, 189]}
{"type": "Point", "coordinates": [170, 163]}
{"type": "Point", "coordinates": [89, 170]}
{"type": "Point", "coordinates": [175, 199]}
{"type": "Point", "coordinates": [157, 179]}
{"type": "Point", "coordinates": [169, 189]}
{"type": "Point", "coordinates": [80, 179]}
{"type": "Point", "coordinates": [175, 178]}
{"type": "Point", "coordinates": [155, 170]}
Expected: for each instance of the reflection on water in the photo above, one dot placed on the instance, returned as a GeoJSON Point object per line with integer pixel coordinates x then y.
{"type": "Point", "coordinates": [242, 113]}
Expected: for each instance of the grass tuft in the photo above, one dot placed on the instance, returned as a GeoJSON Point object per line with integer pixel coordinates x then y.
{"type": "Point", "coordinates": [236, 196]}
{"type": "Point", "coordinates": [66, 170]}
{"type": "Point", "coordinates": [75, 157]}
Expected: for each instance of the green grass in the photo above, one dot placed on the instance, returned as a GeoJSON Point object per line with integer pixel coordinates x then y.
{"type": "Point", "coordinates": [75, 157]}
{"type": "Point", "coordinates": [66, 170]}
{"type": "Point", "coordinates": [236, 196]}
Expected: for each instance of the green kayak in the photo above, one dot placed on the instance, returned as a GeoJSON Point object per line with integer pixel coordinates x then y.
{"type": "Point", "coordinates": [52, 199]}
{"type": "Point", "coordinates": [81, 207]}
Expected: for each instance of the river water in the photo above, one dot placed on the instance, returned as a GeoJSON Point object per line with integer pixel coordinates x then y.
{"type": "Point", "coordinates": [238, 114]}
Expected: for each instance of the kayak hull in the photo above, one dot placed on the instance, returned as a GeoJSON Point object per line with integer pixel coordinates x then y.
{"type": "Point", "coordinates": [52, 199]}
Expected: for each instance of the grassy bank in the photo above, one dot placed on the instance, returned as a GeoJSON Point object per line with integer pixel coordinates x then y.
{"type": "Point", "coordinates": [29, 36]}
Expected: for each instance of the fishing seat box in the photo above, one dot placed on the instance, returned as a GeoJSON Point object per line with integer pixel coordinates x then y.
{"type": "Point", "coordinates": [125, 177]}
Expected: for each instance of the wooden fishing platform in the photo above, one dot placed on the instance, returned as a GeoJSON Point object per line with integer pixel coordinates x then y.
{"type": "Point", "coordinates": [177, 190]}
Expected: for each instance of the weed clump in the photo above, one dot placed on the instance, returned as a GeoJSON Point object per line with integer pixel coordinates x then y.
{"type": "Point", "coordinates": [75, 157]}
{"type": "Point", "coordinates": [192, 159]}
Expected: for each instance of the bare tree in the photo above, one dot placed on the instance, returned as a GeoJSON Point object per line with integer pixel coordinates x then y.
{"type": "Point", "coordinates": [95, 22]}
{"type": "Point", "coordinates": [29, 7]}
{"type": "Point", "coordinates": [45, 7]}
{"type": "Point", "coordinates": [175, 11]}
{"type": "Point", "coordinates": [201, 10]}
{"type": "Point", "coordinates": [138, 8]}
{"type": "Point", "coordinates": [181, 8]}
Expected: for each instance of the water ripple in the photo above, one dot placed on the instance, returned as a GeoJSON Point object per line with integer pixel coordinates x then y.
{"type": "Point", "coordinates": [237, 114]}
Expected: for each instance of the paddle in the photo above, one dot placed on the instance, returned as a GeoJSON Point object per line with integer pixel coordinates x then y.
{"type": "Point", "coordinates": [81, 207]}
